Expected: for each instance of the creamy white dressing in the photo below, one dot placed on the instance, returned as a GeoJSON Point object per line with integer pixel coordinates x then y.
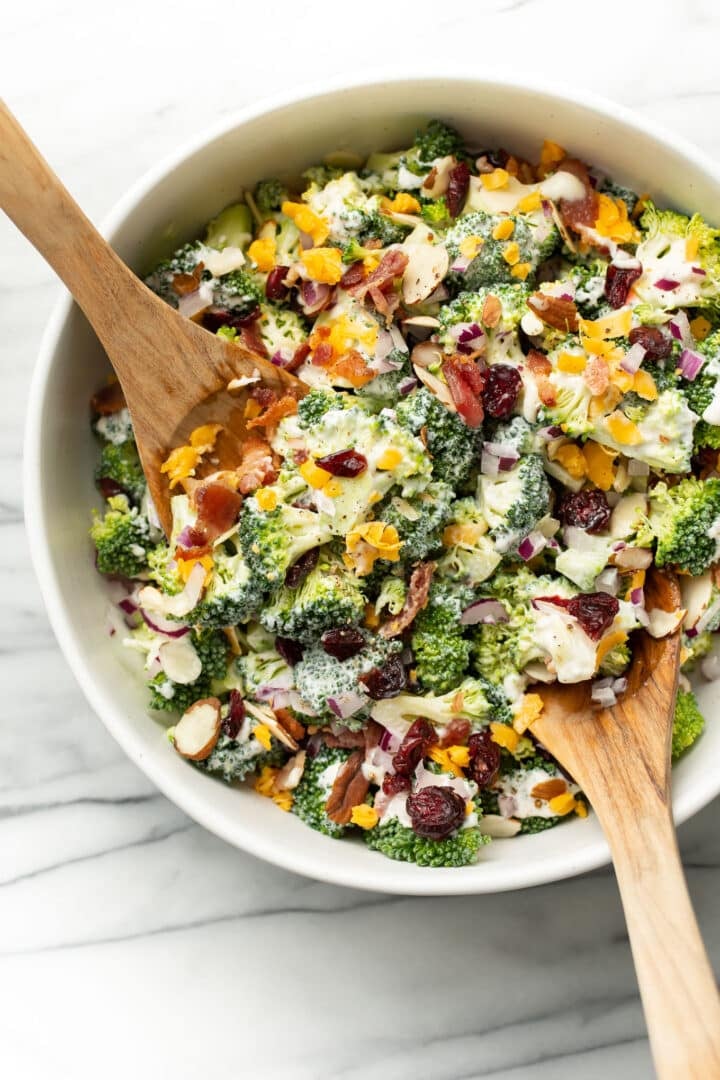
{"type": "Point", "coordinates": [516, 786]}
{"type": "Point", "coordinates": [341, 203]}
{"type": "Point", "coordinates": [115, 428]}
{"type": "Point", "coordinates": [671, 265]}
{"type": "Point", "coordinates": [561, 185]}
{"type": "Point", "coordinates": [571, 653]}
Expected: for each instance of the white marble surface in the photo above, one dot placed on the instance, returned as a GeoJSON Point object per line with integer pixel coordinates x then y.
{"type": "Point", "coordinates": [133, 943]}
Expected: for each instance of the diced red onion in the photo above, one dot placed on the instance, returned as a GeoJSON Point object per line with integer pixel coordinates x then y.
{"type": "Point", "coordinates": [347, 704]}
{"type": "Point", "coordinates": [690, 364]}
{"type": "Point", "coordinates": [620, 685]}
{"type": "Point", "coordinates": [680, 329]}
{"type": "Point", "coordinates": [633, 358]}
{"type": "Point", "coordinates": [710, 668]}
{"type": "Point", "coordinates": [195, 302]}
{"type": "Point", "coordinates": [497, 457]}
{"type": "Point", "coordinates": [487, 611]}
{"type": "Point", "coordinates": [699, 271]}
{"type": "Point", "coordinates": [547, 434]}
{"type": "Point", "coordinates": [128, 606]}
{"type": "Point", "coordinates": [407, 385]}
{"type": "Point", "coordinates": [531, 546]}
{"type": "Point", "coordinates": [638, 468]}
{"type": "Point", "coordinates": [164, 626]}
{"type": "Point", "coordinates": [306, 241]}
{"type": "Point", "coordinates": [387, 740]}
{"type": "Point", "coordinates": [460, 265]}
{"type": "Point", "coordinates": [637, 597]}
{"type": "Point", "coordinates": [438, 295]}
{"type": "Point", "coordinates": [604, 696]}
{"type": "Point", "coordinates": [666, 284]}
{"type": "Point", "coordinates": [315, 296]}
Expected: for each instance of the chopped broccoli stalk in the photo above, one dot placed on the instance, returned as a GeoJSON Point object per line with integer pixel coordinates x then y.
{"type": "Point", "coordinates": [535, 239]}
{"type": "Point", "coordinates": [688, 723]}
{"type": "Point", "coordinates": [617, 661]}
{"type": "Point", "coordinates": [685, 522]}
{"type": "Point", "coordinates": [438, 140]}
{"type": "Point", "coordinates": [233, 760]}
{"type": "Point", "coordinates": [453, 446]}
{"type": "Point", "coordinates": [472, 698]}
{"type": "Point", "coordinates": [269, 195]}
{"type": "Point", "coordinates": [470, 556]}
{"type": "Point", "coordinates": [320, 677]}
{"type": "Point", "coordinates": [392, 595]}
{"type": "Point", "coordinates": [435, 212]}
{"type": "Point", "coordinates": [514, 502]}
{"type": "Point", "coordinates": [264, 667]}
{"type": "Point", "coordinates": [313, 791]}
{"type": "Point", "coordinates": [233, 227]}
{"type": "Point", "coordinates": [695, 648]}
{"type": "Point", "coordinates": [273, 540]}
{"type": "Point", "coordinates": [238, 293]}
{"type": "Point", "coordinates": [329, 597]}
{"type": "Point", "coordinates": [383, 391]}
{"type": "Point", "coordinates": [398, 841]}
{"type": "Point", "coordinates": [419, 520]}
{"type": "Point", "coordinates": [121, 539]}
{"type": "Point", "coordinates": [120, 465]}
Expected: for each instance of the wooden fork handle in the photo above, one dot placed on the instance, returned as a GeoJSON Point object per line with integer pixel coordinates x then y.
{"type": "Point", "coordinates": [677, 985]}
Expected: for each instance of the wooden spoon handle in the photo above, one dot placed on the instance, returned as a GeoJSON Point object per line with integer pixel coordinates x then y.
{"type": "Point", "coordinates": [677, 985]}
{"type": "Point", "coordinates": [34, 198]}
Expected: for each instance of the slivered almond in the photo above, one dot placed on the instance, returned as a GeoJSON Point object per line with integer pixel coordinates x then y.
{"type": "Point", "coordinates": [291, 773]}
{"type": "Point", "coordinates": [548, 789]}
{"type": "Point", "coordinates": [266, 716]}
{"type": "Point", "coordinates": [198, 729]}
{"type": "Point", "coordinates": [491, 312]}
{"type": "Point", "coordinates": [435, 386]}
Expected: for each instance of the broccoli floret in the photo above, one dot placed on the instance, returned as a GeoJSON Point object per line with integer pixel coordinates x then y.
{"type": "Point", "coordinates": [588, 280]}
{"type": "Point", "coordinates": [618, 191]}
{"type": "Point", "coordinates": [672, 245]}
{"type": "Point", "coordinates": [233, 760]}
{"type": "Point", "coordinates": [470, 556]}
{"type": "Point", "coordinates": [320, 676]}
{"type": "Point", "coordinates": [467, 307]}
{"type": "Point", "coordinates": [514, 502]}
{"type": "Point", "coordinates": [234, 593]}
{"type": "Point", "coordinates": [183, 261]}
{"type": "Point", "coordinates": [383, 392]}
{"type": "Point", "coordinates": [312, 793]}
{"type": "Point", "coordinates": [701, 392]}
{"type": "Point", "coordinates": [685, 522]}
{"type": "Point", "coordinates": [453, 446]}
{"type": "Point", "coordinates": [376, 226]}
{"type": "Point", "coordinates": [233, 227]}
{"type": "Point", "coordinates": [264, 667]}
{"type": "Point", "coordinates": [166, 576]}
{"type": "Point", "coordinates": [438, 140]}
{"type": "Point", "coordinates": [329, 597]}
{"type": "Point", "coordinates": [419, 520]}
{"type": "Point", "coordinates": [517, 434]}
{"type": "Point", "coordinates": [120, 465]}
{"type": "Point", "coordinates": [532, 825]}
{"type": "Point", "coordinates": [688, 723]}
{"type": "Point", "coordinates": [398, 841]}
{"type": "Point", "coordinates": [212, 648]}
{"type": "Point", "coordinates": [314, 405]}
{"type": "Point", "coordinates": [322, 175]}
{"type": "Point", "coordinates": [269, 195]}
{"type": "Point", "coordinates": [616, 661]}
{"type": "Point", "coordinates": [281, 330]}
{"type": "Point", "coordinates": [273, 540]}
{"type": "Point", "coordinates": [470, 699]}
{"type": "Point", "coordinates": [392, 594]}
{"type": "Point", "coordinates": [535, 239]}
{"type": "Point", "coordinates": [441, 652]}
{"type": "Point", "coordinates": [666, 433]}
{"type": "Point", "coordinates": [121, 539]}
{"type": "Point", "coordinates": [435, 212]}
{"type": "Point", "coordinates": [238, 293]}
{"type": "Point", "coordinates": [695, 648]}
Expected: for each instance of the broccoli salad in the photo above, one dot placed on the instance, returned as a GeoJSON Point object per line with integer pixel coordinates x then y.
{"type": "Point", "coordinates": [511, 411]}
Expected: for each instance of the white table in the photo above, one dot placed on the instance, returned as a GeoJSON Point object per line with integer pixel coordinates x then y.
{"type": "Point", "coordinates": [134, 944]}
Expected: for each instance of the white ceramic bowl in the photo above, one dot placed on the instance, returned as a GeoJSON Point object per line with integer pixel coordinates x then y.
{"type": "Point", "coordinates": [170, 205]}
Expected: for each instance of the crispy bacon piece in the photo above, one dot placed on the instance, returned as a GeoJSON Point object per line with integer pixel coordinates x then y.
{"type": "Point", "coordinates": [597, 375]}
{"type": "Point", "coordinates": [299, 357]}
{"type": "Point", "coordinates": [349, 789]}
{"type": "Point", "coordinates": [391, 266]}
{"type": "Point", "coordinates": [554, 311]}
{"type": "Point", "coordinates": [353, 367]}
{"type": "Point", "coordinates": [385, 302]}
{"type": "Point", "coordinates": [217, 507]}
{"type": "Point", "coordinates": [322, 354]}
{"type": "Point", "coordinates": [541, 367]}
{"type": "Point", "coordinates": [274, 413]}
{"type": "Point", "coordinates": [257, 466]}
{"type": "Point", "coordinates": [465, 382]}
{"type": "Point", "coordinates": [250, 337]}
{"type": "Point", "coordinates": [192, 543]}
{"type": "Point", "coordinates": [344, 738]}
{"type": "Point", "coordinates": [415, 600]}
{"type": "Point", "coordinates": [110, 399]}
{"type": "Point", "coordinates": [578, 212]}
{"type": "Point", "coordinates": [354, 275]}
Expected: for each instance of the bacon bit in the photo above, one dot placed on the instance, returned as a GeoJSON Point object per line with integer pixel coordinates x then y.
{"type": "Point", "coordinates": [322, 354]}
{"type": "Point", "coordinates": [578, 212]}
{"type": "Point", "coordinates": [109, 400]}
{"type": "Point", "coordinates": [285, 406]}
{"type": "Point", "coordinates": [415, 601]}
{"type": "Point", "coordinates": [392, 265]}
{"type": "Point", "coordinates": [465, 382]}
{"type": "Point", "coordinates": [354, 275]}
{"type": "Point", "coordinates": [548, 789]}
{"type": "Point", "coordinates": [491, 312]}
{"type": "Point", "coordinates": [456, 732]}
{"type": "Point", "coordinates": [256, 467]}
{"type": "Point", "coordinates": [299, 357]}
{"type": "Point", "coordinates": [192, 543]}
{"type": "Point", "coordinates": [554, 311]}
{"type": "Point", "coordinates": [217, 507]}
{"type": "Point", "coordinates": [385, 303]}
{"type": "Point", "coordinates": [348, 790]}
{"type": "Point", "coordinates": [597, 376]}
{"type": "Point", "coordinates": [250, 337]}
{"type": "Point", "coordinates": [293, 727]}
{"type": "Point", "coordinates": [344, 738]}
{"type": "Point", "coordinates": [184, 284]}
{"type": "Point", "coordinates": [353, 367]}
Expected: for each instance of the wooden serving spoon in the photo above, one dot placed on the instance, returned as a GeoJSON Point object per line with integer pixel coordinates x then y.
{"type": "Point", "coordinates": [620, 757]}
{"type": "Point", "coordinates": [173, 374]}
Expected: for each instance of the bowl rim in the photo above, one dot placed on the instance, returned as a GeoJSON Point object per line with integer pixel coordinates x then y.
{"type": "Point", "coordinates": [558, 866]}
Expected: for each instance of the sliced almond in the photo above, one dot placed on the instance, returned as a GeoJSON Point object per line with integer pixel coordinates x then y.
{"type": "Point", "coordinates": [625, 516]}
{"type": "Point", "coordinates": [427, 266]}
{"type": "Point", "coordinates": [491, 312]}
{"type": "Point", "coordinates": [435, 386]}
{"type": "Point", "coordinates": [180, 661]}
{"type": "Point", "coordinates": [696, 595]}
{"type": "Point", "coordinates": [198, 729]}
{"type": "Point", "coordinates": [500, 828]}
{"type": "Point", "coordinates": [427, 353]}
{"type": "Point", "coordinates": [437, 180]}
{"type": "Point", "coordinates": [267, 716]}
{"type": "Point", "coordinates": [548, 789]}
{"type": "Point", "coordinates": [422, 321]}
{"type": "Point", "coordinates": [632, 558]}
{"type": "Point", "coordinates": [661, 623]}
{"type": "Point", "coordinates": [291, 773]}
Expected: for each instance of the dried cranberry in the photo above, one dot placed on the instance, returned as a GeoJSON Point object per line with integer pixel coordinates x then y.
{"type": "Point", "coordinates": [588, 509]}
{"type": "Point", "coordinates": [301, 568]}
{"type": "Point", "coordinates": [343, 463]}
{"type": "Point", "coordinates": [420, 736]}
{"type": "Point", "coordinates": [275, 287]}
{"type": "Point", "coordinates": [215, 317]}
{"type": "Point", "coordinates": [386, 681]}
{"type": "Point", "coordinates": [484, 758]}
{"type": "Point", "coordinates": [109, 487]}
{"type": "Point", "coordinates": [342, 642]}
{"type": "Point", "coordinates": [457, 189]}
{"type": "Point", "coordinates": [233, 721]}
{"type": "Point", "coordinates": [393, 783]}
{"type": "Point", "coordinates": [435, 812]}
{"type": "Point", "coordinates": [618, 280]}
{"type": "Point", "coordinates": [594, 611]}
{"type": "Point", "coordinates": [290, 650]}
{"type": "Point", "coordinates": [656, 344]}
{"type": "Point", "coordinates": [502, 389]}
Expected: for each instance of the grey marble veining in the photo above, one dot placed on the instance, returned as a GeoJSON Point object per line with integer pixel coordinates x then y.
{"type": "Point", "coordinates": [133, 943]}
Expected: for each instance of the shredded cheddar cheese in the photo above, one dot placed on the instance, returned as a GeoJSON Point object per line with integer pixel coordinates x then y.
{"type": "Point", "coordinates": [323, 264]}
{"type": "Point", "coordinates": [495, 180]}
{"type": "Point", "coordinates": [262, 253]}
{"type": "Point", "coordinates": [504, 736]}
{"type": "Point", "coordinates": [261, 732]}
{"type": "Point", "coordinates": [527, 711]}
{"type": "Point", "coordinates": [307, 221]}
{"type": "Point", "coordinates": [364, 815]}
